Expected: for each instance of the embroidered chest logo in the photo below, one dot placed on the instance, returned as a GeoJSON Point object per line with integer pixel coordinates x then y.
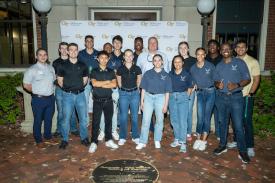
{"type": "Point", "coordinates": [162, 77]}
{"type": "Point", "coordinates": [182, 78]}
{"type": "Point", "coordinates": [207, 71]}
{"type": "Point", "coordinates": [113, 64]}
{"type": "Point", "coordinates": [234, 67]}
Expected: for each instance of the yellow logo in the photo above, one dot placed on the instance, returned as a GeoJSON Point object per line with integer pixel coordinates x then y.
{"type": "Point", "coordinates": [91, 23]}
{"type": "Point", "coordinates": [131, 36]}
{"type": "Point", "coordinates": [143, 23]}
{"type": "Point", "coordinates": [169, 23]}
{"type": "Point", "coordinates": [78, 36]}
{"type": "Point", "coordinates": [182, 36]}
{"type": "Point", "coordinates": [117, 23]}
{"type": "Point", "coordinates": [63, 22]}
{"type": "Point", "coordinates": [157, 36]}
{"type": "Point", "coordinates": [105, 36]}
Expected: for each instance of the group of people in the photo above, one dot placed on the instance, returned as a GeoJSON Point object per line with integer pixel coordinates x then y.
{"type": "Point", "coordinates": [118, 81]}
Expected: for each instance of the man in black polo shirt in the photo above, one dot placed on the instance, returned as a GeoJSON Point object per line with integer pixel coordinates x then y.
{"type": "Point", "coordinates": [103, 80]}
{"type": "Point", "coordinates": [72, 78]}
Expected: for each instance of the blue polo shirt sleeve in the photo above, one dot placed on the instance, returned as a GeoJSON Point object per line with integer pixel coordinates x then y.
{"type": "Point", "coordinates": [168, 88]}
{"type": "Point", "coordinates": [244, 70]}
{"type": "Point", "coordinates": [138, 70]}
{"type": "Point", "coordinates": [189, 80]}
{"type": "Point", "coordinates": [144, 81]}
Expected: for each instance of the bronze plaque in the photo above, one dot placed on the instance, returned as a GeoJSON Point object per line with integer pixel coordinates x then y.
{"type": "Point", "coordinates": [125, 170]}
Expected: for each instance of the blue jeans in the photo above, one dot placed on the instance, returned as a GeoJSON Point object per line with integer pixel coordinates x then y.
{"type": "Point", "coordinates": [70, 102]}
{"type": "Point", "coordinates": [152, 103]}
{"type": "Point", "coordinates": [87, 92]}
{"type": "Point", "coordinates": [115, 97]}
{"type": "Point", "coordinates": [205, 104]}
{"type": "Point", "coordinates": [60, 118]}
{"type": "Point", "coordinates": [231, 105]}
{"type": "Point", "coordinates": [43, 110]}
{"type": "Point", "coordinates": [190, 112]}
{"type": "Point", "coordinates": [247, 120]}
{"type": "Point", "coordinates": [178, 110]}
{"type": "Point", "coordinates": [126, 100]}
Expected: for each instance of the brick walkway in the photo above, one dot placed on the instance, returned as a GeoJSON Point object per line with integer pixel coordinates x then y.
{"type": "Point", "coordinates": [21, 161]}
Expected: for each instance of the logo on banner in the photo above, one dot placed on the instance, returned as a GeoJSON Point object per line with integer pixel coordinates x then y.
{"type": "Point", "coordinates": [182, 36]}
{"type": "Point", "coordinates": [105, 36]}
{"type": "Point", "coordinates": [64, 37]}
{"type": "Point", "coordinates": [130, 24]}
{"type": "Point", "coordinates": [157, 36]}
{"type": "Point", "coordinates": [91, 23]}
{"type": "Point", "coordinates": [171, 24]}
{"type": "Point", "coordinates": [117, 23]}
{"type": "Point", "coordinates": [131, 36]}
{"type": "Point", "coordinates": [169, 49]}
{"type": "Point", "coordinates": [155, 24]}
{"type": "Point", "coordinates": [180, 23]}
{"type": "Point", "coordinates": [76, 23]}
{"type": "Point", "coordinates": [78, 36]}
{"type": "Point", "coordinates": [143, 23]}
{"type": "Point", "coordinates": [63, 22]}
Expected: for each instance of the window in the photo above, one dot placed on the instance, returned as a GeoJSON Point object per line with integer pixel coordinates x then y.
{"type": "Point", "coordinates": [16, 33]}
{"type": "Point", "coordinates": [123, 14]}
{"type": "Point", "coordinates": [240, 20]}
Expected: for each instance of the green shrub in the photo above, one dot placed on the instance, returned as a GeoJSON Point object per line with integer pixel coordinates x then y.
{"type": "Point", "coordinates": [9, 108]}
{"type": "Point", "coordinates": [264, 108]}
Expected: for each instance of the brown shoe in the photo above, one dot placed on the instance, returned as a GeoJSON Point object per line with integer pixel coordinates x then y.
{"type": "Point", "coordinates": [41, 145]}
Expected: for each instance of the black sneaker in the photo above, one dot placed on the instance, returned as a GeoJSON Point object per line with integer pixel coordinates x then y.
{"type": "Point", "coordinates": [63, 144]}
{"type": "Point", "coordinates": [57, 134]}
{"type": "Point", "coordinates": [75, 133]}
{"type": "Point", "coordinates": [85, 142]}
{"type": "Point", "coordinates": [244, 157]}
{"type": "Point", "coordinates": [220, 150]}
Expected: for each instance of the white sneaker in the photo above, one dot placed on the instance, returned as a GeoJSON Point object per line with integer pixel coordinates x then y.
{"type": "Point", "coordinates": [115, 135]}
{"type": "Point", "coordinates": [202, 146]}
{"type": "Point", "coordinates": [101, 136]}
{"type": "Point", "coordinates": [157, 145]}
{"type": "Point", "coordinates": [111, 144]}
{"type": "Point", "coordinates": [250, 152]}
{"type": "Point", "coordinates": [176, 143]}
{"type": "Point", "coordinates": [136, 140]}
{"type": "Point", "coordinates": [196, 145]}
{"type": "Point", "coordinates": [92, 148]}
{"type": "Point", "coordinates": [121, 142]}
{"type": "Point", "coordinates": [140, 146]}
{"type": "Point", "coordinates": [183, 148]}
{"type": "Point", "coordinates": [231, 145]}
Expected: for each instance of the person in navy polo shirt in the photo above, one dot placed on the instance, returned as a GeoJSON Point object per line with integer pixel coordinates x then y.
{"type": "Point", "coordinates": [189, 61]}
{"type": "Point", "coordinates": [72, 78]}
{"type": "Point", "coordinates": [230, 76]}
{"type": "Point", "coordinates": [179, 101]}
{"type": "Point", "coordinates": [88, 57]}
{"type": "Point", "coordinates": [214, 57]}
{"type": "Point", "coordinates": [39, 80]}
{"type": "Point", "coordinates": [128, 79]}
{"type": "Point", "coordinates": [156, 85]}
{"type": "Point", "coordinates": [202, 73]}
{"type": "Point", "coordinates": [103, 80]}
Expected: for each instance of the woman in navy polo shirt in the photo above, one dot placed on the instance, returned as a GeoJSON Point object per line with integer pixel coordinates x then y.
{"type": "Point", "coordinates": [128, 78]}
{"type": "Point", "coordinates": [189, 61]}
{"type": "Point", "coordinates": [202, 74]}
{"type": "Point", "coordinates": [156, 85]}
{"type": "Point", "coordinates": [179, 101]}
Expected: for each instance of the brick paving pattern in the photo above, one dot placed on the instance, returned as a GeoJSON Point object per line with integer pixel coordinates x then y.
{"type": "Point", "coordinates": [21, 161]}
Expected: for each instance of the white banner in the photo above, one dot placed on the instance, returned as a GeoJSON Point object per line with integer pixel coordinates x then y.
{"type": "Point", "coordinates": [169, 33]}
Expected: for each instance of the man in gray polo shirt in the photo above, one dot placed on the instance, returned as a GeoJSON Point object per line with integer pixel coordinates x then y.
{"type": "Point", "coordinates": [39, 80]}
